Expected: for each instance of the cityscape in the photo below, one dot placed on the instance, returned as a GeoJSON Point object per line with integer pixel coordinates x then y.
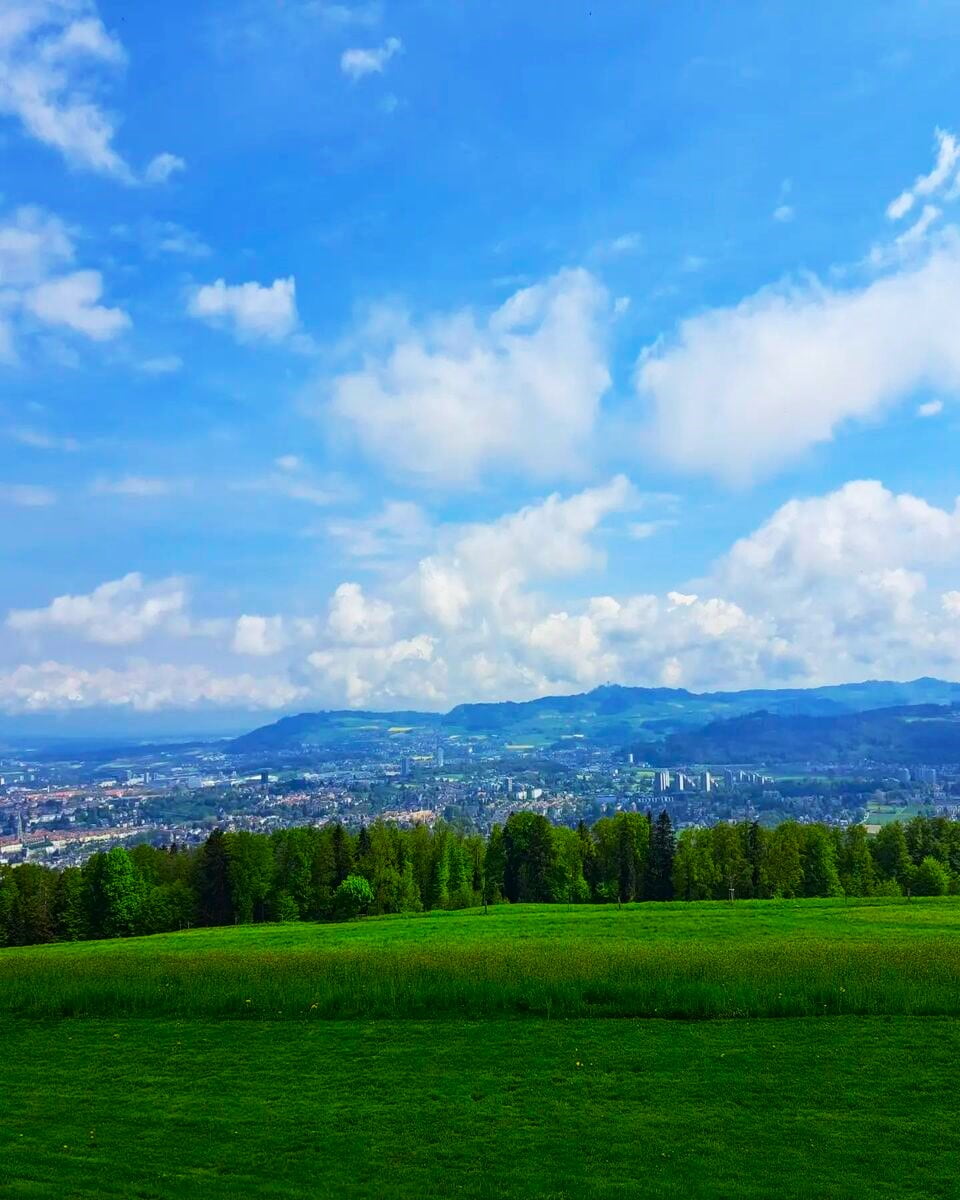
{"type": "Point", "coordinates": [59, 808]}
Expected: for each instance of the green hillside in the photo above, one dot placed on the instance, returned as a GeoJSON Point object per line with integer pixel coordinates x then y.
{"type": "Point", "coordinates": [610, 714]}
{"type": "Point", "coordinates": [474, 1055]}
{"type": "Point", "coordinates": [916, 734]}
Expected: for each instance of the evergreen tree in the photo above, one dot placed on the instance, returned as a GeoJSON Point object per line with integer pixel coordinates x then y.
{"type": "Point", "coordinates": [755, 838]}
{"type": "Point", "coordinates": [659, 881]}
{"type": "Point", "coordinates": [9, 907]}
{"type": "Point", "coordinates": [213, 881]}
{"type": "Point", "coordinates": [494, 866]}
{"type": "Point", "coordinates": [342, 854]}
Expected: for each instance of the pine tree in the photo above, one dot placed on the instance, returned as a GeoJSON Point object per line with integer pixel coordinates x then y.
{"type": "Point", "coordinates": [626, 863]}
{"type": "Point", "coordinates": [659, 883]}
{"type": "Point", "coordinates": [342, 855]}
{"type": "Point", "coordinates": [213, 881]}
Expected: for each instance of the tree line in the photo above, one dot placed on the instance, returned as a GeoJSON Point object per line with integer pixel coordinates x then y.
{"type": "Point", "coordinates": [329, 873]}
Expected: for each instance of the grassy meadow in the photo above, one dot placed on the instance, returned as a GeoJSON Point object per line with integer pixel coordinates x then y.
{"type": "Point", "coordinates": [851, 1108]}
{"type": "Point", "coordinates": [685, 960]}
{"type": "Point", "coordinates": [479, 1056]}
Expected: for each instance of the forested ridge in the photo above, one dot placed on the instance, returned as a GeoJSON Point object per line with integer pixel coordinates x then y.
{"type": "Point", "coordinates": [330, 873]}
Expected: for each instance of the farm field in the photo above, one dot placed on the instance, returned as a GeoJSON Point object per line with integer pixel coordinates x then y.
{"type": "Point", "coordinates": [488, 1056]}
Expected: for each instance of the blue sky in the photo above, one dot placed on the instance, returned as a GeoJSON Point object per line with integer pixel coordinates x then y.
{"type": "Point", "coordinates": [397, 354]}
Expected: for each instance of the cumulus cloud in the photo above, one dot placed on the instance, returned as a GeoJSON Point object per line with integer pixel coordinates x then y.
{"type": "Point", "coordinates": [520, 388]}
{"type": "Point", "coordinates": [356, 63]}
{"type": "Point", "coordinates": [740, 391]}
{"type": "Point", "coordinates": [120, 612]}
{"type": "Point", "coordinates": [251, 311]}
{"type": "Point", "coordinates": [35, 249]}
{"type": "Point", "coordinates": [857, 583]}
{"type": "Point", "coordinates": [56, 59]}
{"type": "Point", "coordinates": [842, 586]}
{"type": "Point", "coordinates": [259, 636]}
{"type": "Point", "coordinates": [53, 686]}
{"type": "Point", "coordinates": [73, 301]}
{"type": "Point", "coordinates": [356, 619]}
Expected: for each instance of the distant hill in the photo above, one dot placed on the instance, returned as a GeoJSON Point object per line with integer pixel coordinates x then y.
{"type": "Point", "coordinates": [608, 715]}
{"type": "Point", "coordinates": [926, 733]}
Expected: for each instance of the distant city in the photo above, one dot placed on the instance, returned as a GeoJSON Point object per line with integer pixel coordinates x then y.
{"type": "Point", "coordinates": [60, 804]}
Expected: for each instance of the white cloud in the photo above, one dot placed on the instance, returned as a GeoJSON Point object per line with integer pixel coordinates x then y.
{"type": "Point", "coordinates": [72, 301]}
{"type": "Point", "coordinates": [27, 495]}
{"type": "Point", "coordinates": [783, 213]}
{"type": "Point", "coordinates": [32, 245]}
{"type": "Point", "coordinates": [56, 56]}
{"type": "Point", "coordinates": [356, 619]}
{"type": "Point", "coordinates": [942, 177]}
{"type": "Point", "coordinates": [35, 247]}
{"type": "Point", "coordinates": [359, 62]}
{"type": "Point", "coordinates": [167, 237]}
{"type": "Point", "coordinates": [858, 583]}
{"type": "Point", "coordinates": [250, 310]}
{"type": "Point", "coordinates": [120, 612]}
{"type": "Point", "coordinates": [520, 389]}
{"type": "Point", "coordinates": [931, 408]}
{"type": "Point", "coordinates": [259, 636]}
{"type": "Point", "coordinates": [160, 168]}
{"type": "Point", "coordinates": [53, 686]}
{"type": "Point", "coordinates": [740, 391]}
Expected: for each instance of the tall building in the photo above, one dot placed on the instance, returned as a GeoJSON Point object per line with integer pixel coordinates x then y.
{"type": "Point", "coordinates": [439, 757]}
{"type": "Point", "coordinates": [707, 781]}
{"type": "Point", "coordinates": [661, 781]}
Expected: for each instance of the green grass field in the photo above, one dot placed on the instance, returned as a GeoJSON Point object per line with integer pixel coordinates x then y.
{"type": "Point", "coordinates": [712, 959]}
{"type": "Point", "coordinates": [481, 1056]}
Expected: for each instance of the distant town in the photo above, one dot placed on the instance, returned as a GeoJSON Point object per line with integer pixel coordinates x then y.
{"type": "Point", "coordinates": [59, 807]}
